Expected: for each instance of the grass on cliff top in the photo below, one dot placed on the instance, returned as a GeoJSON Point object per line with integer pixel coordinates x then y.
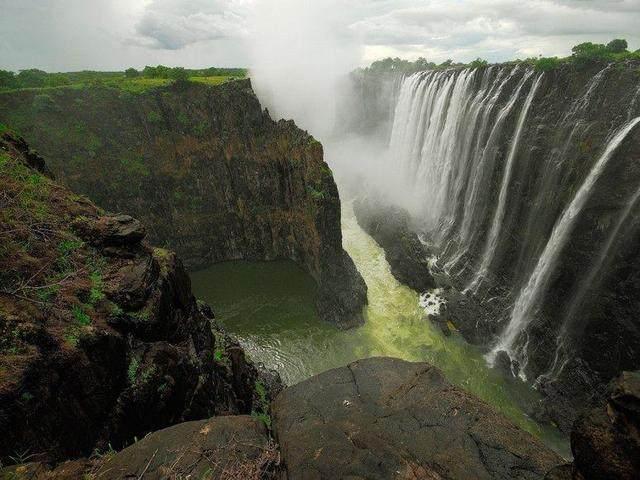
{"type": "Point", "coordinates": [45, 270]}
{"type": "Point", "coordinates": [131, 85]}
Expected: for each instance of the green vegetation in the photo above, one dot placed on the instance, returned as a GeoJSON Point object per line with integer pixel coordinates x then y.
{"type": "Point", "coordinates": [11, 341]}
{"type": "Point", "coordinates": [545, 64]}
{"type": "Point", "coordinates": [132, 371]}
{"type": "Point", "coordinates": [582, 55]}
{"type": "Point", "coordinates": [478, 63]}
{"type": "Point", "coordinates": [261, 410]}
{"type": "Point", "coordinates": [141, 316]}
{"type": "Point", "coordinates": [96, 294]}
{"type": "Point", "coordinates": [72, 336]}
{"type": "Point", "coordinates": [81, 317]}
{"type": "Point", "coordinates": [218, 355]}
{"type": "Point", "coordinates": [315, 194]}
{"type": "Point", "coordinates": [68, 246]}
{"type": "Point", "coordinates": [135, 165]}
{"type": "Point", "coordinates": [131, 80]}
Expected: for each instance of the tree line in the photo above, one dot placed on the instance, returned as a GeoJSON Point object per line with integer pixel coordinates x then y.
{"type": "Point", "coordinates": [35, 78]}
{"type": "Point", "coordinates": [582, 54]}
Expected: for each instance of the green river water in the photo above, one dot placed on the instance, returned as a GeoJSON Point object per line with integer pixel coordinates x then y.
{"type": "Point", "coordinates": [269, 307]}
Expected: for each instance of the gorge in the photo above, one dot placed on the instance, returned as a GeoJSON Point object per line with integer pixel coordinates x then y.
{"type": "Point", "coordinates": [498, 201]}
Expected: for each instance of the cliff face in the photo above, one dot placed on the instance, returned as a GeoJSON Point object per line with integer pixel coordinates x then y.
{"type": "Point", "coordinates": [207, 170]}
{"type": "Point", "coordinates": [101, 340]}
{"type": "Point", "coordinates": [501, 232]}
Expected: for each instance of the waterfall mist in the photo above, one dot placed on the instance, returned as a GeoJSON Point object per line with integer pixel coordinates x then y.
{"type": "Point", "coordinates": [303, 58]}
{"type": "Point", "coordinates": [300, 54]}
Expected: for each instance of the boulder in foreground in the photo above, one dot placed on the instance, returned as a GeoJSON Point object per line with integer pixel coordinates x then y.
{"type": "Point", "coordinates": [384, 418]}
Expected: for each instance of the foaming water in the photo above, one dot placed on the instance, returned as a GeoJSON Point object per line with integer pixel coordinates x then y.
{"type": "Point", "coordinates": [269, 307]}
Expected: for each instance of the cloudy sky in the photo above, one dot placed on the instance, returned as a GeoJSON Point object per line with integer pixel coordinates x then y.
{"type": "Point", "coordinates": [62, 35]}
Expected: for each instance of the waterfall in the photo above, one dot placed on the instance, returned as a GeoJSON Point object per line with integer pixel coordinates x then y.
{"type": "Point", "coordinates": [492, 239]}
{"type": "Point", "coordinates": [444, 134]}
{"type": "Point", "coordinates": [585, 285]}
{"type": "Point", "coordinates": [531, 294]}
{"type": "Point", "coordinates": [498, 214]}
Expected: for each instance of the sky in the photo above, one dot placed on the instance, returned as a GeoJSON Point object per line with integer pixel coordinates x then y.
{"type": "Point", "coordinates": [66, 35]}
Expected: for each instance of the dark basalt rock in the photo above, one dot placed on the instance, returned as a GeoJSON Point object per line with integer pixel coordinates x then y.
{"type": "Point", "coordinates": [606, 440]}
{"type": "Point", "coordinates": [384, 418]}
{"type": "Point", "coordinates": [223, 447]}
{"type": "Point", "coordinates": [391, 228]}
{"type": "Point", "coordinates": [116, 347]}
{"type": "Point", "coordinates": [31, 157]}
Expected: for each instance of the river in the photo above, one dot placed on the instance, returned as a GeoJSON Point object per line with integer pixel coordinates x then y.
{"type": "Point", "coordinates": [269, 308]}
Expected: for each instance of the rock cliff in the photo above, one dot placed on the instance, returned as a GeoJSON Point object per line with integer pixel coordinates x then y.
{"type": "Point", "coordinates": [101, 339]}
{"type": "Point", "coordinates": [209, 173]}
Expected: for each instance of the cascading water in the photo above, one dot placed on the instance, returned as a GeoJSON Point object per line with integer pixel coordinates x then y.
{"type": "Point", "coordinates": [530, 295]}
{"type": "Point", "coordinates": [498, 218]}
{"type": "Point", "coordinates": [499, 164]}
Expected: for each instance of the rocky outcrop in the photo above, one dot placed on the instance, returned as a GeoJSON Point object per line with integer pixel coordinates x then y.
{"type": "Point", "coordinates": [101, 339]}
{"type": "Point", "coordinates": [208, 172]}
{"type": "Point", "coordinates": [606, 439]}
{"type": "Point", "coordinates": [220, 448]}
{"type": "Point", "coordinates": [226, 448]}
{"type": "Point", "coordinates": [383, 418]}
{"type": "Point", "coordinates": [379, 418]}
{"type": "Point", "coordinates": [392, 229]}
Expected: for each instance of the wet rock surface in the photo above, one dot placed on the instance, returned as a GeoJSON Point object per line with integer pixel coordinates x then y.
{"type": "Point", "coordinates": [383, 418]}
{"type": "Point", "coordinates": [208, 172]}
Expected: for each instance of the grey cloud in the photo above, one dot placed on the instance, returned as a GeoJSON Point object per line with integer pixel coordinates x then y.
{"type": "Point", "coordinates": [489, 24]}
{"type": "Point", "coordinates": [174, 24]}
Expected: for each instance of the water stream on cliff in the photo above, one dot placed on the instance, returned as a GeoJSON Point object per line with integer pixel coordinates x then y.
{"type": "Point", "coordinates": [269, 307]}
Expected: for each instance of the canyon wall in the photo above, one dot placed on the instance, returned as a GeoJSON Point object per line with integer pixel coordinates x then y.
{"type": "Point", "coordinates": [206, 169]}
{"type": "Point", "coordinates": [523, 187]}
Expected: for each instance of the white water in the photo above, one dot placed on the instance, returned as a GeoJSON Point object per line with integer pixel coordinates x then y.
{"type": "Point", "coordinates": [530, 296]}
{"type": "Point", "coordinates": [440, 135]}
{"type": "Point", "coordinates": [585, 284]}
{"type": "Point", "coordinates": [456, 144]}
{"type": "Point", "coordinates": [492, 240]}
